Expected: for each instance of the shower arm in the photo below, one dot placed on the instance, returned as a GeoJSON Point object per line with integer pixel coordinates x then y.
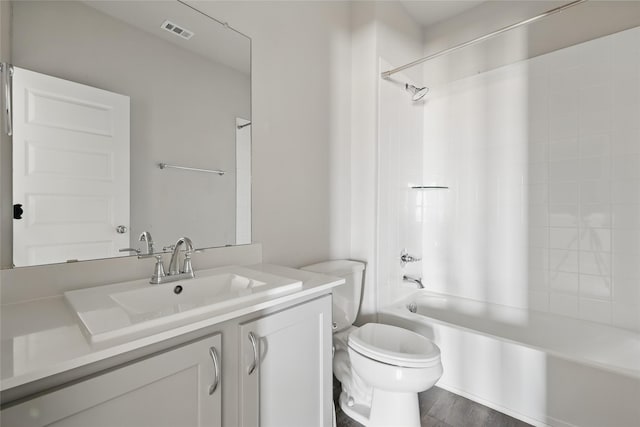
{"type": "Point", "coordinates": [387, 74]}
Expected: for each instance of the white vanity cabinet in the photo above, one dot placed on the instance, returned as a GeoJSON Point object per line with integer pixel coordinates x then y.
{"type": "Point", "coordinates": [179, 387]}
{"type": "Point", "coordinates": [285, 367]}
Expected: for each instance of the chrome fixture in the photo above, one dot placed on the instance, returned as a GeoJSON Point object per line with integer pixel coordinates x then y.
{"type": "Point", "coordinates": [418, 92]}
{"type": "Point", "coordinates": [412, 307]}
{"type": "Point", "coordinates": [159, 275]}
{"type": "Point", "coordinates": [121, 229]}
{"type": "Point", "coordinates": [416, 280]}
{"type": "Point", "coordinates": [7, 75]}
{"type": "Point", "coordinates": [145, 236]}
{"type": "Point", "coordinates": [256, 353]}
{"type": "Point", "coordinates": [188, 250]}
{"type": "Point", "coordinates": [136, 251]}
{"type": "Point", "coordinates": [387, 74]}
{"type": "Point", "coordinates": [216, 369]}
{"type": "Point", "coordinates": [428, 187]}
{"type": "Point", "coordinates": [186, 168]}
{"type": "Point", "coordinates": [405, 258]}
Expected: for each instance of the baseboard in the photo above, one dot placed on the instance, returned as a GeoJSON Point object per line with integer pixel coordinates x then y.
{"type": "Point", "coordinates": [550, 422]}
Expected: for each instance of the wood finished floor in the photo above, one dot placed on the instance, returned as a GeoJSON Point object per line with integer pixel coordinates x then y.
{"type": "Point", "coordinates": [440, 408]}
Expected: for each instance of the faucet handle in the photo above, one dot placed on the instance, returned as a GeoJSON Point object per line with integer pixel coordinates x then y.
{"type": "Point", "coordinates": [145, 236]}
{"type": "Point", "coordinates": [158, 271]}
{"type": "Point", "coordinates": [186, 266]}
{"type": "Point", "coordinates": [405, 258]}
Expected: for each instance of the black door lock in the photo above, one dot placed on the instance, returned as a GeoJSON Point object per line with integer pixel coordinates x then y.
{"type": "Point", "coordinates": [17, 211]}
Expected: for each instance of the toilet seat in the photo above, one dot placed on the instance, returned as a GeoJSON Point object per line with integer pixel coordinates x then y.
{"type": "Point", "coordinates": [394, 346]}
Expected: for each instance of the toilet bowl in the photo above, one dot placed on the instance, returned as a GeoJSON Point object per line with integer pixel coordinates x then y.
{"type": "Point", "coordinates": [381, 368]}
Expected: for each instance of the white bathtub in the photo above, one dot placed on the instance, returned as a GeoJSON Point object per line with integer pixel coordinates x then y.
{"type": "Point", "coordinates": [541, 368]}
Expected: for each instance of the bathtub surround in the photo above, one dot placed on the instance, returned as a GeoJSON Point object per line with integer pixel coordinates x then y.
{"type": "Point", "coordinates": [543, 159]}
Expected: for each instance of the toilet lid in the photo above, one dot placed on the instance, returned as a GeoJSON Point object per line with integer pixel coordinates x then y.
{"type": "Point", "coordinates": [394, 345]}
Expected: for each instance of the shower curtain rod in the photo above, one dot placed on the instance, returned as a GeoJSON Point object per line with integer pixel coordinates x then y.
{"type": "Point", "coordinates": [387, 74]}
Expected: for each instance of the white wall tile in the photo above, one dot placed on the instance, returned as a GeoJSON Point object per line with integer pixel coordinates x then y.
{"type": "Point", "coordinates": [595, 215]}
{"type": "Point", "coordinates": [595, 168]}
{"type": "Point", "coordinates": [538, 173]}
{"type": "Point", "coordinates": [627, 242]}
{"type": "Point", "coordinates": [566, 282]}
{"type": "Point", "coordinates": [595, 310]}
{"type": "Point", "coordinates": [595, 239]}
{"type": "Point", "coordinates": [598, 263]}
{"type": "Point", "coordinates": [626, 215]}
{"type": "Point", "coordinates": [626, 291]}
{"type": "Point", "coordinates": [564, 149]}
{"type": "Point", "coordinates": [595, 192]}
{"type": "Point", "coordinates": [565, 168]}
{"type": "Point", "coordinates": [564, 238]}
{"type": "Point", "coordinates": [595, 286]}
{"type": "Point", "coordinates": [626, 167]}
{"type": "Point", "coordinates": [564, 193]}
{"type": "Point", "coordinates": [625, 266]}
{"type": "Point", "coordinates": [539, 237]}
{"type": "Point", "coordinates": [566, 305]}
{"type": "Point", "coordinates": [563, 260]}
{"type": "Point", "coordinates": [625, 192]}
{"type": "Point", "coordinates": [626, 316]}
{"type": "Point", "coordinates": [538, 300]}
{"type": "Point", "coordinates": [595, 145]}
{"type": "Point", "coordinates": [563, 215]}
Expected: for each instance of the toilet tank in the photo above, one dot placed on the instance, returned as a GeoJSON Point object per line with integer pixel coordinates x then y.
{"type": "Point", "coordinates": [346, 298]}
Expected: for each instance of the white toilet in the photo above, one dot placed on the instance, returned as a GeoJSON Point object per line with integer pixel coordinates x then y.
{"type": "Point", "coordinates": [381, 367]}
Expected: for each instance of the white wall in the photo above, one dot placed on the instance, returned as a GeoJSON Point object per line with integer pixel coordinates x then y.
{"type": "Point", "coordinates": [301, 122]}
{"type": "Point", "coordinates": [543, 159]}
{"type": "Point", "coordinates": [381, 30]}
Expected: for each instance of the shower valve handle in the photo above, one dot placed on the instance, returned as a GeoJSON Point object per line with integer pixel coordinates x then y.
{"type": "Point", "coordinates": [406, 258]}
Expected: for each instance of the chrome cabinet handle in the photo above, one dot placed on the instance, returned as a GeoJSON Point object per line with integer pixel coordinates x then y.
{"type": "Point", "coordinates": [254, 344]}
{"type": "Point", "coordinates": [216, 370]}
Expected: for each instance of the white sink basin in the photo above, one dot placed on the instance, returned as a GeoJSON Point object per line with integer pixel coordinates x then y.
{"type": "Point", "coordinates": [124, 309]}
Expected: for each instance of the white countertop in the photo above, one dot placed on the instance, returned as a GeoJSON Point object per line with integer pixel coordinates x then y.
{"type": "Point", "coordinates": [41, 338]}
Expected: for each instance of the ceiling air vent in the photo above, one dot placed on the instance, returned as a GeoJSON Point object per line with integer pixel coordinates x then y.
{"type": "Point", "coordinates": [177, 30]}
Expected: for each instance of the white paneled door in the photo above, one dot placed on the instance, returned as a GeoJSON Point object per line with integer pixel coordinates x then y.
{"type": "Point", "coordinates": [70, 170]}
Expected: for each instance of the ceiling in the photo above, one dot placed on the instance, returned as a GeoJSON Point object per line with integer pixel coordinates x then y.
{"type": "Point", "coordinates": [211, 39]}
{"type": "Point", "coordinates": [429, 12]}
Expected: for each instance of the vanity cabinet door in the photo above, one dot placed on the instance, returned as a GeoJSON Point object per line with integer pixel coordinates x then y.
{"type": "Point", "coordinates": [173, 388]}
{"type": "Point", "coordinates": [285, 368]}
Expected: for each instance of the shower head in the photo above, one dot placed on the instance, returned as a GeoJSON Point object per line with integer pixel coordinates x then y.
{"type": "Point", "coordinates": [418, 92]}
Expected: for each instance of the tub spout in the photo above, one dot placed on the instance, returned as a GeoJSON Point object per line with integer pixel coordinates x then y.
{"type": "Point", "coordinates": [416, 280]}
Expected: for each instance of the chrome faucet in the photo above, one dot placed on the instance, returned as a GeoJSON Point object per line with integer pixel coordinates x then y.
{"type": "Point", "coordinates": [406, 258]}
{"type": "Point", "coordinates": [416, 280]}
{"type": "Point", "coordinates": [146, 237]}
{"type": "Point", "coordinates": [159, 275]}
{"type": "Point", "coordinates": [173, 264]}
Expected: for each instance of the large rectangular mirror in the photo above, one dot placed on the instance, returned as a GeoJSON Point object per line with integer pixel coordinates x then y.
{"type": "Point", "coordinates": [128, 119]}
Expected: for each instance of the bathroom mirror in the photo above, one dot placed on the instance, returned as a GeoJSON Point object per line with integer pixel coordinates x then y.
{"type": "Point", "coordinates": [127, 117]}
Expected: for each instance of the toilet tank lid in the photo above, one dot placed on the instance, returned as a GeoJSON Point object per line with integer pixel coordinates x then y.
{"type": "Point", "coordinates": [338, 268]}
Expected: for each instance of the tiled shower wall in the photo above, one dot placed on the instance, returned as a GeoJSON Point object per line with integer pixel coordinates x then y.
{"type": "Point", "coordinates": [543, 160]}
